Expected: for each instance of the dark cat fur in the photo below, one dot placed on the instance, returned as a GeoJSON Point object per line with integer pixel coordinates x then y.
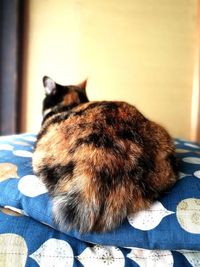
{"type": "Point", "coordinates": [100, 161]}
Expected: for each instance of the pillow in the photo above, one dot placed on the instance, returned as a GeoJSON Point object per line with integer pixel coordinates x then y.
{"type": "Point", "coordinates": [172, 222]}
{"type": "Point", "coordinates": [26, 242]}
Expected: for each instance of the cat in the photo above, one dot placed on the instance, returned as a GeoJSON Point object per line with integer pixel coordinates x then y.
{"type": "Point", "coordinates": [100, 161]}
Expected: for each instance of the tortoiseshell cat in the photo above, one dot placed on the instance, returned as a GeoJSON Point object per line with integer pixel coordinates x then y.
{"type": "Point", "coordinates": [100, 161]}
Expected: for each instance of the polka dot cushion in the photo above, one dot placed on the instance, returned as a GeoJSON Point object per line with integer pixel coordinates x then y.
{"type": "Point", "coordinates": [167, 234]}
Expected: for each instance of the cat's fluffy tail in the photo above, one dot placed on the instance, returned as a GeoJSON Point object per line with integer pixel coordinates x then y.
{"type": "Point", "coordinates": [90, 208]}
{"type": "Point", "coordinates": [72, 211]}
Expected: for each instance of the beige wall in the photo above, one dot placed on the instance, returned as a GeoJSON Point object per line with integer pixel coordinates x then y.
{"type": "Point", "coordinates": [136, 50]}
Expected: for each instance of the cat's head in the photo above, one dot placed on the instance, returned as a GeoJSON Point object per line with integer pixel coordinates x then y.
{"type": "Point", "coordinates": [59, 96]}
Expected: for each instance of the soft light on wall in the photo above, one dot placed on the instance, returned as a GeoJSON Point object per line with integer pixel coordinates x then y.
{"type": "Point", "coordinates": [138, 51]}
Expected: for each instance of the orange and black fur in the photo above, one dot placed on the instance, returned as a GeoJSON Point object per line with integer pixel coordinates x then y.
{"type": "Point", "coordinates": [100, 161]}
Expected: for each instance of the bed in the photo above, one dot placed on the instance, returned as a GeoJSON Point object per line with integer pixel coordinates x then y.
{"type": "Point", "coordinates": [165, 235]}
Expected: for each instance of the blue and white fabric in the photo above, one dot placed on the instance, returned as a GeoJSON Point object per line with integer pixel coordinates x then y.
{"type": "Point", "coordinates": [167, 234]}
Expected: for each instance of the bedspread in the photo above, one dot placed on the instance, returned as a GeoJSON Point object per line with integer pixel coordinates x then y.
{"type": "Point", "coordinates": [167, 234]}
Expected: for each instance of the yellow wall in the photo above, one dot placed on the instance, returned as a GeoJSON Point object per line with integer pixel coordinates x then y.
{"type": "Point", "coordinates": [141, 51]}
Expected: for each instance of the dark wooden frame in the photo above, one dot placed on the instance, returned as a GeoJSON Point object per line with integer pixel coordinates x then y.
{"type": "Point", "coordinates": [11, 32]}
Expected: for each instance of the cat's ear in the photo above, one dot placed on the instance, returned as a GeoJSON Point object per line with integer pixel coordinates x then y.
{"type": "Point", "coordinates": [82, 85]}
{"type": "Point", "coordinates": [49, 85]}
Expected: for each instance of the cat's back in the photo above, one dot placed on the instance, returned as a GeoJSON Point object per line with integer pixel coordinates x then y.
{"type": "Point", "coordinates": [97, 152]}
{"type": "Point", "coordinates": [108, 126]}
{"type": "Point", "coordinates": [99, 134]}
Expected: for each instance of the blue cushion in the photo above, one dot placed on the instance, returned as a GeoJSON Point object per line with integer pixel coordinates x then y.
{"type": "Point", "coordinates": [172, 222]}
